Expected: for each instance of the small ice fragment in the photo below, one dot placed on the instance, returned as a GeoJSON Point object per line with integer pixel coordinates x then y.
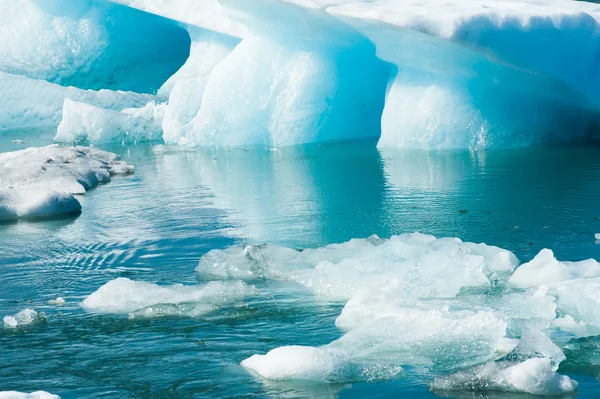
{"type": "Point", "coordinates": [58, 301]}
{"type": "Point", "coordinates": [597, 235]}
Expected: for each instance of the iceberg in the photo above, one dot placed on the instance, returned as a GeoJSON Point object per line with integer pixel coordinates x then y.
{"type": "Point", "coordinates": [491, 74]}
{"type": "Point", "coordinates": [419, 264]}
{"type": "Point", "coordinates": [43, 182]}
{"type": "Point", "coordinates": [142, 299]}
{"type": "Point", "coordinates": [466, 312]}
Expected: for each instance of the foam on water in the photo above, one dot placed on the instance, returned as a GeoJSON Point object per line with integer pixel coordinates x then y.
{"type": "Point", "coordinates": [43, 182]}
{"type": "Point", "coordinates": [137, 298]}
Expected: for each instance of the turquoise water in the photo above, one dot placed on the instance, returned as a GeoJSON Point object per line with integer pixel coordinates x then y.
{"type": "Point", "coordinates": [156, 224]}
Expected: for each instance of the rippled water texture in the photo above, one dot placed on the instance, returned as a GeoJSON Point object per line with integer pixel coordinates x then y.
{"type": "Point", "coordinates": [156, 224]}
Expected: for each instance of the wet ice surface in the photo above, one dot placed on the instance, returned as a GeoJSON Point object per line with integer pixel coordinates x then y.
{"type": "Point", "coordinates": [43, 182]}
{"type": "Point", "coordinates": [155, 226]}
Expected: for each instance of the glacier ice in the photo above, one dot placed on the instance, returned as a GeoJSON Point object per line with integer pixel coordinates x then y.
{"type": "Point", "coordinates": [27, 102]}
{"type": "Point", "coordinates": [421, 264]}
{"type": "Point", "coordinates": [90, 44]}
{"type": "Point", "coordinates": [142, 299]}
{"type": "Point", "coordinates": [43, 182]}
{"type": "Point", "coordinates": [467, 312]}
{"type": "Point", "coordinates": [24, 318]}
{"type": "Point", "coordinates": [488, 74]}
{"type": "Point", "coordinates": [533, 376]}
{"type": "Point", "coordinates": [85, 123]}
{"type": "Point", "coordinates": [32, 395]}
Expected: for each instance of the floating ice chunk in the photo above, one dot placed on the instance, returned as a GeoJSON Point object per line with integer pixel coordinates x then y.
{"type": "Point", "coordinates": [23, 318]}
{"type": "Point", "coordinates": [33, 395]}
{"type": "Point", "coordinates": [298, 362]}
{"type": "Point", "coordinates": [124, 296]}
{"type": "Point", "coordinates": [422, 265]}
{"type": "Point", "coordinates": [29, 102]}
{"type": "Point", "coordinates": [90, 124]}
{"type": "Point", "coordinates": [444, 340]}
{"type": "Point", "coordinates": [58, 301]}
{"type": "Point", "coordinates": [546, 269]}
{"type": "Point", "coordinates": [533, 376]}
{"type": "Point", "coordinates": [42, 182]}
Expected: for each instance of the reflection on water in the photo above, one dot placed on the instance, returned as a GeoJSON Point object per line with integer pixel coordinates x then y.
{"type": "Point", "coordinates": [155, 225]}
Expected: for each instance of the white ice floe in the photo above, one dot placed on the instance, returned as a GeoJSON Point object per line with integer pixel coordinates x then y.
{"type": "Point", "coordinates": [137, 298]}
{"type": "Point", "coordinates": [28, 102]}
{"type": "Point", "coordinates": [32, 395]}
{"type": "Point", "coordinates": [43, 182]}
{"type": "Point", "coordinates": [94, 125]}
{"type": "Point", "coordinates": [23, 318]}
{"type": "Point", "coordinates": [423, 265]}
{"type": "Point", "coordinates": [462, 309]}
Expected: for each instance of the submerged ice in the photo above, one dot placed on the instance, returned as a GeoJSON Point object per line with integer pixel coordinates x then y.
{"type": "Point", "coordinates": [43, 182]}
{"type": "Point", "coordinates": [467, 312]}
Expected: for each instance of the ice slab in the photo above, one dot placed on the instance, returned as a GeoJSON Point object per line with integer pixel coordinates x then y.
{"type": "Point", "coordinates": [90, 44]}
{"type": "Point", "coordinates": [142, 299]}
{"type": "Point", "coordinates": [546, 269]}
{"type": "Point", "coordinates": [422, 265]}
{"type": "Point", "coordinates": [85, 123]}
{"type": "Point", "coordinates": [43, 182]}
{"type": "Point", "coordinates": [532, 376]}
{"type": "Point", "coordinates": [24, 318]}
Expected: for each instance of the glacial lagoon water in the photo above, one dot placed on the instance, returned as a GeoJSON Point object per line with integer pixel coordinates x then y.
{"type": "Point", "coordinates": [156, 224]}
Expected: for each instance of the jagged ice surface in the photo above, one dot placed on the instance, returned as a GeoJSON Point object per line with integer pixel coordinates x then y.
{"type": "Point", "coordinates": [32, 395]}
{"type": "Point", "coordinates": [489, 74]}
{"type": "Point", "coordinates": [142, 299]}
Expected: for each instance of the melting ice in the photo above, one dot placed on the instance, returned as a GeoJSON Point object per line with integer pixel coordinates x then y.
{"type": "Point", "coordinates": [467, 312]}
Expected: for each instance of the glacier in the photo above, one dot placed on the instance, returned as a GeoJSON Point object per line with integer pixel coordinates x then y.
{"type": "Point", "coordinates": [487, 74]}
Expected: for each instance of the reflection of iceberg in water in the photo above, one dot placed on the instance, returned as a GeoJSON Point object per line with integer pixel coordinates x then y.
{"type": "Point", "coordinates": [310, 193]}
